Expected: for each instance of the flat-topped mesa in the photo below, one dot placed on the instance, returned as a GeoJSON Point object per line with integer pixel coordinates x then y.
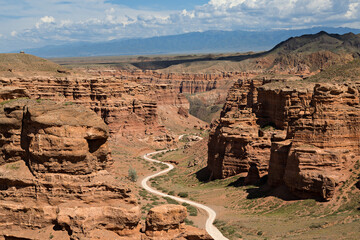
{"type": "Point", "coordinates": [304, 135]}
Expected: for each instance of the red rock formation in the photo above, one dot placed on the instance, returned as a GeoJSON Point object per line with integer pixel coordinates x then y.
{"type": "Point", "coordinates": [312, 131]}
{"type": "Point", "coordinates": [326, 142]}
{"type": "Point", "coordinates": [129, 108]}
{"type": "Point", "coordinates": [235, 142]}
{"type": "Point", "coordinates": [183, 83]}
{"type": "Point", "coordinates": [7, 93]}
{"type": "Point", "coordinates": [52, 173]}
{"type": "Point", "coordinates": [167, 222]}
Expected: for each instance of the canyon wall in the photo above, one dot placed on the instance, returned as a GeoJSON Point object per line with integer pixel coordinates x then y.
{"type": "Point", "coordinates": [182, 83]}
{"type": "Point", "coordinates": [303, 135]}
{"type": "Point", "coordinates": [127, 107]}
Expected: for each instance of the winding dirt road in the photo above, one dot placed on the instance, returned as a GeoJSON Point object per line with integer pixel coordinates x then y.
{"type": "Point", "coordinates": [210, 228]}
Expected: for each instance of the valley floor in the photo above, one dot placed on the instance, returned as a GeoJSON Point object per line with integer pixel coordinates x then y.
{"type": "Point", "coordinates": [253, 212]}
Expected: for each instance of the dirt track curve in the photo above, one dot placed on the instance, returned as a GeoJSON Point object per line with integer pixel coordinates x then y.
{"type": "Point", "coordinates": [209, 226]}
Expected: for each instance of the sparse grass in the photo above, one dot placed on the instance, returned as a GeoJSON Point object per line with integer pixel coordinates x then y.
{"type": "Point", "coordinates": [268, 128]}
{"type": "Point", "coordinates": [228, 230]}
{"type": "Point", "coordinates": [191, 209]}
{"type": "Point", "coordinates": [339, 73]}
{"type": "Point", "coordinates": [254, 218]}
{"type": "Point", "coordinates": [28, 63]}
{"type": "Point", "coordinates": [12, 100]}
{"type": "Point", "coordinates": [14, 166]}
{"type": "Point", "coordinates": [171, 201]}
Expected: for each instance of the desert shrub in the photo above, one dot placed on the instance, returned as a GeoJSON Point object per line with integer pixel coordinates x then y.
{"type": "Point", "coordinates": [170, 200]}
{"type": "Point", "coordinates": [183, 194]}
{"type": "Point", "coordinates": [132, 174]}
{"type": "Point", "coordinates": [191, 209]}
{"type": "Point", "coordinates": [188, 222]}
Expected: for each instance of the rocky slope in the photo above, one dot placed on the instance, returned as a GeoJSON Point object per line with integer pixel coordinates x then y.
{"type": "Point", "coordinates": [54, 182]}
{"type": "Point", "coordinates": [302, 134]}
{"type": "Point", "coordinates": [21, 64]}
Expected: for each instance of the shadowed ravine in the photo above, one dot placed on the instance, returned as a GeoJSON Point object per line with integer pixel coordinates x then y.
{"type": "Point", "coordinates": [209, 227]}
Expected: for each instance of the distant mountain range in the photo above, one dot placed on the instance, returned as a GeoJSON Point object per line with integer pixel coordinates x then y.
{"type": "Point", "coordinates": [196, 42]}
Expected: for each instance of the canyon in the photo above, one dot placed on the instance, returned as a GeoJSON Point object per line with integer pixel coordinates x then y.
{"type": "Point", "coordinates": [55, 183]}
{"type": "Point", "coordinates": [287, 126]}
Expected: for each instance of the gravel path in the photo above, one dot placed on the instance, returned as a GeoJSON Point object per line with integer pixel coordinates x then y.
{"type": "Point", "coordinates": [209, 226]}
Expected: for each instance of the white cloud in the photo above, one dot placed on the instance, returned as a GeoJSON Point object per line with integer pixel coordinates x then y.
{"type": "Point", "coordinates": [353, 11]}
{"type": "Point", "coordinates": [47, 19]}
{"type": "Point", "coordinates": [98, 20]}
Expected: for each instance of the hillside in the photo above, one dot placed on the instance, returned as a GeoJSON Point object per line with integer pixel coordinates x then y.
{"type": "Point", "coordinates": [297, 55]}
{"type": "Point", "coordinates": [321, 41]}
{"type": "Point", "coordinates": [19, 63]}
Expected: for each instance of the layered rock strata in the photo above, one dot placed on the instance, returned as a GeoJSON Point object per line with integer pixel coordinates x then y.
{"type": "Point", "coordinates": [183, 83]}
{"type": "Point", "coordinates": [305, 137]}
{"type": "Point", "coordinates": [128, 108]}
{"type": "Point", "coordinates": [325, 142]}
{"type": "Point", "coordinates": [235, 141]}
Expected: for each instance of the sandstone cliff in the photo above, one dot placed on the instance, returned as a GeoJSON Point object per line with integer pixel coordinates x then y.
{"type": "Point", "coordinates": [53, 161]}
{"type": "Point", "coordinates": [129, 109]}
{"type": "Point", "coordinates": [181, 82]}
{"type": "Point", "coordinates": [304, 136]}
{"type": "Point", "coordinates": [54, 182]}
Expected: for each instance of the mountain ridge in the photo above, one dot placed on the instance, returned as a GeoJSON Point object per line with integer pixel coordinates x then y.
{"type": "Point", "coordinates": [213, 41]}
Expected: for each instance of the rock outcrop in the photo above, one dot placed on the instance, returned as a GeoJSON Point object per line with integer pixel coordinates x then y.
{"type": "Point", "coordinates": [53, 160]}
{"type": "Point", "coordinates": [236, 141]}
{"type": "Point", "coordinates": [325, 142]}
{"type": "Point", "coordinates": [167, 222]}
{"type": "Point", "coordinates": [304, 136]}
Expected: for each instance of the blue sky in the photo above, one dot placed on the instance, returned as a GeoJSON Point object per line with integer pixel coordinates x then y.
{"type": "Point", "coordinates": [35, 23]}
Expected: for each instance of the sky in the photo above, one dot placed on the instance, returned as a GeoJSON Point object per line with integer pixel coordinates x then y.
{"type": "Point", "coordinates": [35, 23]}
